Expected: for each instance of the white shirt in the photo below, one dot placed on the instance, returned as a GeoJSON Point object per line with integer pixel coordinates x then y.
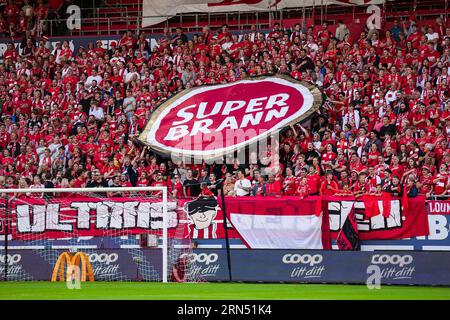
{"type": "Point", "coordinates": [114, 60]}
{"type": "Point", "coordinates": [98, 114]}
{"type": "Point", "coordinates": [390, 96]}
{"type": "Point", "coordinates": [348, 117]}
{"type": "Point", "coordinates": [432, 36]}
{"type": "Point", "coordinates": [91, 78]}
{"type": "Point", "coordinates": [312, 46]}
{"type": "Point", "coordinates": [244, 183]}
{"type": "Point", "coordinates": [53, 149]}
{"type": "Point", "coordinates": [226, 45]}
{"type": "Point", "coordinates": [129, 76]}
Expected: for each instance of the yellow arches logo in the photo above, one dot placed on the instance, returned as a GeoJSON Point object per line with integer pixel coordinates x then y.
{"type": "Point", "coordinates": [68, 266]}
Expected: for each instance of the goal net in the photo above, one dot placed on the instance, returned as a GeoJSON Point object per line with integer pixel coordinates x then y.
{"type": "Point", "coordinates": [126, 234]}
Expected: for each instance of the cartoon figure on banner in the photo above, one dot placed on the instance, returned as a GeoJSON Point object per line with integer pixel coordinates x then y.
{"type": "Point", "coordinates": [202, 212]}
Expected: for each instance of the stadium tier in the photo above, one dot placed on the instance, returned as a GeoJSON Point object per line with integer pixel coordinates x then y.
{"type": "Point", "coordinates": [285, 129]}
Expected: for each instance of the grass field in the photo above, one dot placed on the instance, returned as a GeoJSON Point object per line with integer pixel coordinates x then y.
{"type": "Point", "coordinates": [213, 291]}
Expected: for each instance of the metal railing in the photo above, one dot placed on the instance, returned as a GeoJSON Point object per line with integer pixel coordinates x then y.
{"type": "Point", "coordinates": [94, 23]}
{"type": "Point", "coordinates": [439, 197]}
{"type": "Point", "coordinates": [191, 22]}
{"type": "Point", "coordinates": [95, 12]}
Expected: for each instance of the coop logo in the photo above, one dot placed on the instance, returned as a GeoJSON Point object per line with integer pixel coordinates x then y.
{"type": "Point", "coordinates": [103, 258]}
{"type": "Point", "coordinates": [104, 265]}
{"type": "Point", "coordinates": [215, 120]}
{"type": "Point", "coordinates": [14, 266]}
{"type": "Point", "coordinates": [389, 267]}
{"type": "Point", "coordinates": [310, 265]}
{"type": "Point", "coordinates": [201, 257]}
{"type": "Point", "coordinates": [395, 259]}
{"type": "Point", "coordinates": [303, 259]}
{"type": "Point", "coordinates": [12, 259]}
{"type": "Point", "coordinates": [202, 264]}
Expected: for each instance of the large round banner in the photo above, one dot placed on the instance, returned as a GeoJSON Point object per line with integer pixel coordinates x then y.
{"type": "Point", "coordinates": [211, 121]}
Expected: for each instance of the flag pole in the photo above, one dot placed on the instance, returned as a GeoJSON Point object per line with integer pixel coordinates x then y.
{"type": "Point", "coordinates": [225, 226]}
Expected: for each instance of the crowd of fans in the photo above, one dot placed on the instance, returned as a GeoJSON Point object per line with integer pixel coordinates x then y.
{"type": "Point", "coordinates": [21, 17]}
{"type": "Point", "coordinates": [71, 119]}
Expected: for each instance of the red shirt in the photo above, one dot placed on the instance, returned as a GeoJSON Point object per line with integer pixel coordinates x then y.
{"type": "Point", "coordinates": [178, 186]}
{"type": "Point", "coordinates": [439, 186]}
{"type": "Point", "coordinates": [313, 183]}
{"type": "Point", "coordinates": [290, 186]}
{"type": "Point", "coordinates": [325, 191]}
{"type": "Point", "coordinates": [79, 183]}
{"type": "Point", "coordinates": [273, 188]}
{"type": "Point", "coordinates": [158, 184]}
{"type": "Point", "coordinates": [206, 192]}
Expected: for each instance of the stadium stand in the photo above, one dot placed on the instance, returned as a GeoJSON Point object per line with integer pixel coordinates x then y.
{"type": "Point", "coordinates": [72, 118]}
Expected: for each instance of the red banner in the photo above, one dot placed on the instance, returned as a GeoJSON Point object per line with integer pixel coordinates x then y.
{"type": "Point", "coordinates": [438, 207]}
{"type": "Point", "coordinates": [395, 224]}
{"type": "Point", "coordinates": [35, 218]}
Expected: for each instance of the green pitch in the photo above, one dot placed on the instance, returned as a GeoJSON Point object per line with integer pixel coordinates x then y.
{"type": "Point", "coordinates": [212, 291]}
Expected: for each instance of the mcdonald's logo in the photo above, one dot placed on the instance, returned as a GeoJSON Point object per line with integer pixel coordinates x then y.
{"type": "Point", "coordinates": [67, 262]}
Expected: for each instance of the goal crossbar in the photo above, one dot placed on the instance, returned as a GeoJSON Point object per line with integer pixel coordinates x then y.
{"type": "Point", "coordinates": [114, 189]}
{"type": "Point", "coordinates": [83, 190]}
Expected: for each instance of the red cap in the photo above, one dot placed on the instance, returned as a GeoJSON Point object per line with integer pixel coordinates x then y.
{"type": "Point", "coordinates": [113, 44]}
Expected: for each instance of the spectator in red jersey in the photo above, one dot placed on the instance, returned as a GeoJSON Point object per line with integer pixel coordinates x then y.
{"type": "Point", "coordinates": [289, 183]}
{"type": "Point", "coordinates": [223, 34]}
{"type": "Point", "coordinates": [329, 187]}
{"type": "Point", "coordinates": [441, 181]}
{"type": "Point", "coordinates": [273, 186]}
{"type": "Point", "coordinates": [361, 187]}
{"type": "Point", "coordinates": [303, 189]}
{"type": "Point", "coordinates": [177, 190]}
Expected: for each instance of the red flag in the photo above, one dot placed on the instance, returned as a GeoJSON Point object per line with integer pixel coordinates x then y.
{"type": "Point", "coordinates": [318, 209]}
{"type": "Point", "coordinates": [348, 236]}
{"type": "Point", "coordinates": [371, 206]}
{"type": "Point", "coordinates": [405, 201]}
{"type": "Point", "coordinates": [387, 197]}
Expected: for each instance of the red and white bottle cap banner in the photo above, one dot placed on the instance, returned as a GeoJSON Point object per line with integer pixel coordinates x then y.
{"type": "Point", "coordinates": [211, 121]}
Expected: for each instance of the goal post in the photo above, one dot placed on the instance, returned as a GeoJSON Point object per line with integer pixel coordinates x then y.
{"type": "Point", "coordinates": [164, 237]}
{"type": "Point", "coordinates": [118, 216]}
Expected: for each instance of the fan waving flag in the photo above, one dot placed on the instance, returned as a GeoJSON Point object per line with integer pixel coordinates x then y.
{"type": "Point", "coordinates": [279, 223]}
{"type": "Point", "coordinates": [348, 236]}
{"type": "Point", "coordinates": [371, 203]}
